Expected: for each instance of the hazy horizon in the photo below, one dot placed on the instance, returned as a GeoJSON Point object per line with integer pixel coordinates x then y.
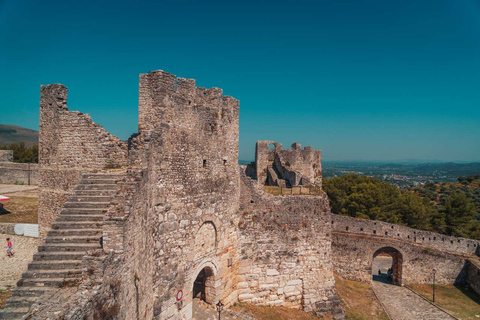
{"type": "Point", "coordinates": [361, 81]}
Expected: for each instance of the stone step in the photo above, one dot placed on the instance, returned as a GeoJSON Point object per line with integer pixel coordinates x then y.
{"type": "Point", "coordinates": [102, 187]}
{"type": "Point", "coordinates": [80, 217]}
{"type": "Point", "coordinates": [73, 239]}
{"type": "Point", "coordinates": [93, 193]}
{"type": "Point", "coordinates": [98, 181]}
{"type": "Point", "coordinates": [20, 302]}
{"type": "Point", "coordinates": [102, 176]}
{"type": "Point", "coordinates": [86, 205]}
{"type": "Point", "coordinates": [90, 199]}
{"type": "Point", "coordinates": [75, 232]}
{"type": "Point", "coordinates": [59, 255]}
{"type": "Point", "coordinates": [63, 273]}
{"type": "Point", "coordinates": [14, 313]}
{"type": "Point", "coordinates": [66, 211]}
{"type": "Point", "coordinates": [46, 247]}
{"type": "Point", "coordinates": [54, 265]}
{"type": "Point", "coordinates": [48, 282]}
{"type": "Point", "coordinates": [70, 225]}
{"type": "Point", "coordinates": [28, 291]}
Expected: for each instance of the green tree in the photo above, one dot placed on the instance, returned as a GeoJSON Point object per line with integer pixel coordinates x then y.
{"type": "Point", "coordinates": [21, 153]}
{"type": "Point", "coordinates": [459, 215]}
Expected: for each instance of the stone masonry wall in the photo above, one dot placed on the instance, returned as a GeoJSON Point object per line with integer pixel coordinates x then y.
{"type": "Point", "coordinates": [355, 242]}
{"type": "Point", "coordinates": [353, 257]}
{"type": "Point", "coordinates": [397, 232]}
{"type": "Point", "coordinates": [70, 143]}
{"type": "Point", "coordinates": [6, 155]}
{"type": "Point", "coordinates": [285, 251]}
{"type": "Point", "coordinates": [473, 275]}
{"type": "Point", "coordinates": [185, 163]}
{"type": "Point", "coordinates": [20, 173]}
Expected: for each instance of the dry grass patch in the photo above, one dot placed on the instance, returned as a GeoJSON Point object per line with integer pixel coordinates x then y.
{"type": "Point", "coordinates": [275, 313]}
{"type": "Point", "coordinates": [20, 210]}
{"type": "Point", "coordinates": [461, 301]}
{"type": "Point", "coordinates": [358, 300]}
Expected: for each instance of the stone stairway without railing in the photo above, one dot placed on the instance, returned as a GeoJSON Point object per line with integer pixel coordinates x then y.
{"type": "Point", "coordinates": [77, 230]}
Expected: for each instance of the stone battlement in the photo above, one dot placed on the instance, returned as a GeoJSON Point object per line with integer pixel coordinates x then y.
{"type": "Point", "coordinates": [163, 98]}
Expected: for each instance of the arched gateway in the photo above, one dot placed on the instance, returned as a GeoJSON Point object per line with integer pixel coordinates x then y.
{"type": "Point", "coordinates": [204, 286]}
{"type": "Point", "coordinates": [394, 265]}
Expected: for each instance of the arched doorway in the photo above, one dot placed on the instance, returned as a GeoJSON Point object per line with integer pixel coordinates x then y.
{"type": "Point", "coordinates": [204, 286]}
{"type": "Point", "coordinates": [387, 266]}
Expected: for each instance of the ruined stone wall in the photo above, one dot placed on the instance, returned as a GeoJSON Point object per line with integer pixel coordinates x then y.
{"type": "Point", "coordinates": [19, 173]}
{"type": "Point", "coordinates": [296, 166]}
{"type": "Point", "coordinates": [182, 218]}
{"type": "Point", "coordinates": [285, 251]}
{"type": "Point", "coordinates": [6, 155]}
{"type": "Point", "coordinates": [409, 235]}
{"type": "Point", "coordinates": [70, 143]}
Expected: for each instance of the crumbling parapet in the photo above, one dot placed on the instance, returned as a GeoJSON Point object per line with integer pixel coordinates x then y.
{"type": "Point", "coordinates": [70, 144]}
{"type": "Point", "coordinates": [288, 167]}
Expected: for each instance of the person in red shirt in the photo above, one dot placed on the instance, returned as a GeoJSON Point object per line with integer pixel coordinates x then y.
{"type": "Point", "coordinates": [10, 247]}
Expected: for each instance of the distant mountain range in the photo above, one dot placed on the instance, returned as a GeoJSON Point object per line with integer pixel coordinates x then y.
{"type": "Point", "coordinates": [15, 134]}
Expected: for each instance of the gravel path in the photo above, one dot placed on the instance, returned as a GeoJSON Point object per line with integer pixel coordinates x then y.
{"type": "Point", "coordinates": [8, 189]}
{"type": "Point", "coordinates": [402, 304]}
{"type": "Point", "coordinates": [11, 268]}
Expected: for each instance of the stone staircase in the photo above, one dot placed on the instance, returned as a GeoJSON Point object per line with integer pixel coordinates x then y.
{"type": "Point", "coordinates": [77, 230]}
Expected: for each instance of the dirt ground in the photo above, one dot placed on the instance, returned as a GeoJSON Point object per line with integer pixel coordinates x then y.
{"type": "Point", "coordinates": [23, 206]}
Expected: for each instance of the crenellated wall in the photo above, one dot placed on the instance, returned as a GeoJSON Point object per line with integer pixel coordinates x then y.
{"type": "Point", "coordinates": [355, 242]}
{"type": "Point", "coordinates": [182, 217]}
{"type": "Point", "coordinates": [70, 143]}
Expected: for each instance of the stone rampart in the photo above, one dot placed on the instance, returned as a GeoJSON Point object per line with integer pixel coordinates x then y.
{"type": "Point", "coordinates": [180, 221]}
{"type": "Point", "coordinates": [392, 231]}
{"type": "Point", "coordinates": [70, 144]}
{"type": "Point", "coordinates": [19, 173]}
{"type": "Point", "coordinates": [285, 251]}
{"type": "Point", "coordinates": [6, 156]}
{"type": "Point", "coordinates": [355, 242]}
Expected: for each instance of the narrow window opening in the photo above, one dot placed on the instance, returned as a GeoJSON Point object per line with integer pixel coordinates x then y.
{"type": "Point", "coordinates": [204, 163]}
{"type": "Point", "coordinates": [374, 231]}
{"type": "Point", "coordinates": [224, 161]}
{"type": "Point", "coordinates": [386, 233]}
{"type": "Point", "coordinates": [346, 228]}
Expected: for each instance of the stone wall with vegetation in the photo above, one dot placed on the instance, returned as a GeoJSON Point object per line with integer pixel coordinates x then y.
{"type": "Point", "coordinates": [70, 144]}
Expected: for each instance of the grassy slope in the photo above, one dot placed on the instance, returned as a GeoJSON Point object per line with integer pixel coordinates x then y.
{"type": "Point", "coordinates": [30, 137]}
{"type": "Point", "coordinates": [461, 301]}
{"type": "Point", "coordinates": [20, 210]}
{"type": "Point", "coordinates": [359, 301]}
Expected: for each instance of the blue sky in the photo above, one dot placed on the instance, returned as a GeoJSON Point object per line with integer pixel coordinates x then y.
{"type": "Point", "coordinates": [360, 80]}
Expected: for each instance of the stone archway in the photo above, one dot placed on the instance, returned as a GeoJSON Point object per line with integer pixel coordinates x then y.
{"type": "Point", "coordinates": [204, 286]}
{"type": "Point", "coordinates": [396, 265]}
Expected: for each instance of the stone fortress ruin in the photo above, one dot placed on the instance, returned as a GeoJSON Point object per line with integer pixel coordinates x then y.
{"type": "Point", "coordinates": [138, 229]}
